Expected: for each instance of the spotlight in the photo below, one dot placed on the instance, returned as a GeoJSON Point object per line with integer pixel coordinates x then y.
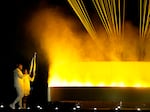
{"type": "Point", "coordinates": [74, 108]}
{"type": "Point", "coordinates": [56, 108]}
{"type": "Point", "coordinates": [78, 106]}
{"type": "Point", "coordinates": [119, 107]}
{"type": "Point", "coordinates": [28, 108]}
{"type": "Point", "coordinates": [1, 106]}
{"type": "Point", "coordinates": [95, 108]}
{"type": "Point", "coordinates": [38, 106]}
{"type": "Point", "coordinates": [138, 109]}
{"type": "Point", "coordinates": [19, 108]}
{"type": "Point", "coordinates": [116, 108]}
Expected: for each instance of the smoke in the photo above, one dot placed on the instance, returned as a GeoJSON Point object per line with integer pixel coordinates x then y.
{"type": "Point", "coordinates": [66, 44]}
{"type": "Point", "coordinates": [57, 36]}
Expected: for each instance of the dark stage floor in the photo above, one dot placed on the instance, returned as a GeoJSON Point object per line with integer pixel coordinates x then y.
{"type": "Point", "coordinates": [74, 99]}
{"type": "Point", "coordinates": [82, 106]}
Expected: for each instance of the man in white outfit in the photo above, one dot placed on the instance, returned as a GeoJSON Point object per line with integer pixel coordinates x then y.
{"type": "Point", "coordinates": [18, 84]}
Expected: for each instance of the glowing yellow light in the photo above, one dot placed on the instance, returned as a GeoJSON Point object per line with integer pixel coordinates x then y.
{"type": "Point", "coordinates": [101, 84]}
{"type": "Point", "coordinates": [137, 85]}
{"type": "Point", "coordinates": [79, 8]}
{"type": "Point", "coordinates": [67, 53]}
{"type": "Point", "coordinates": [144, 18]}
{"type": "Point", "coordinates": [112, 74]}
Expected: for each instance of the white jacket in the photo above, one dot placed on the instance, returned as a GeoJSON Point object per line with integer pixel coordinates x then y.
{"type": "Point", "coordinates": [18, 78]}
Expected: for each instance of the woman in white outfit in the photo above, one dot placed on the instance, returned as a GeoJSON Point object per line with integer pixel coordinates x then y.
{"type": "Point", "coordinates": [18, 84]}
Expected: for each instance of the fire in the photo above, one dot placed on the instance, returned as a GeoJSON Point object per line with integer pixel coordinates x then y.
{"type": "Point", "coordinates": [109, 74]}
{"type": "Point", "coordinates": [76, 60]}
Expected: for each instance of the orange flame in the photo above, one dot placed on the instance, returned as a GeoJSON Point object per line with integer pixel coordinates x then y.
{"type": "Point", "coordinates": [75, 59]}
{"type": "Point", "coordinates": [114, 74]}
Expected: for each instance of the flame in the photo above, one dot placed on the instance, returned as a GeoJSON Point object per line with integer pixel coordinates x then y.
{"type": "Point", "coordinates": [109, 74]}
{"type": "Point", "coordinates": [76, 60]}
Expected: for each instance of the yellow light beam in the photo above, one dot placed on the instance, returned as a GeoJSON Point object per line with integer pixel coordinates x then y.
{"type": "Point", "coordinates": [81, 5]}
{"type": "Point", "coordinates": [79, 13]}
{"type": "Point", "coordinates": [101, 15]}
{"type": "Point", "coordinates": [119, 18]}
{"type": "Point", "coordinates": [104, 7]}
{"type": "Point", "coordinates": [148, 34]}
{"type": "Point", "coordinates": [112, 15]}
{"type": "Point", "coordinates": [77, 10]}
{"type": "Point", "coordinates": [80, 10]}
{"type": "Point", "coordinates": [107, 9]}
{"type": "Point", "coordinates": [109, 16]}
{"type": "Point", "coordinates": [140, 29]}
{"type": "Point", "coordinates": [143, 23]}
{"type": "Point", "coordinates": [115, 15]}
{"type": "Point", "coordinates": [91, 31]}
{"type": "Point", "coordinates": [89, 20]}
{"type": "Point", "coordinates": [147, 20]}
{"type": "Point", "coordinates": [123, 21]}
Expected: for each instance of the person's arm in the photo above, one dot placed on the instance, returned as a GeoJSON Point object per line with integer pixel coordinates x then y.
{"type": "Point", "coordinates": [20, 74]}
{"type": "Point", "coordinates": [31, 78]}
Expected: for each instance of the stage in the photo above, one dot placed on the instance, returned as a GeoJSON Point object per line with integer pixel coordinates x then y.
{"type": "Point", "coordinates": [102, 98]}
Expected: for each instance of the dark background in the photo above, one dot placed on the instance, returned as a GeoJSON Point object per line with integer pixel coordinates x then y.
{"type": "Point", "coordinates": [16, 47]}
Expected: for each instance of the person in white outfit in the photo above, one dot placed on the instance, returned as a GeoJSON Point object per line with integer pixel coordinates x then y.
{"type": "Point", "coordinates": [27, 79]}
{"type": "Point", "coordinates": [18, 84]}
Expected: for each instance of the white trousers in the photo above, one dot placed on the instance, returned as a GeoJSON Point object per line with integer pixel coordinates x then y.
{"type": "Point", "coordinates": [20, 94]}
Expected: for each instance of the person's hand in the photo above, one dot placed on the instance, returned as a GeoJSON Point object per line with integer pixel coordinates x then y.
{"type": "Point", "coordinates": [35, 54]}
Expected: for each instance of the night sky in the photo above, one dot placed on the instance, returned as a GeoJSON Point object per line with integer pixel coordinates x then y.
{"type": "Point", "coordinates": [17, 47]}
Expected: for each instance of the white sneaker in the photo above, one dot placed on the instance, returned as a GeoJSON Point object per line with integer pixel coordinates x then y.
{"type": "Point", "coordinates": [12, 106]}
